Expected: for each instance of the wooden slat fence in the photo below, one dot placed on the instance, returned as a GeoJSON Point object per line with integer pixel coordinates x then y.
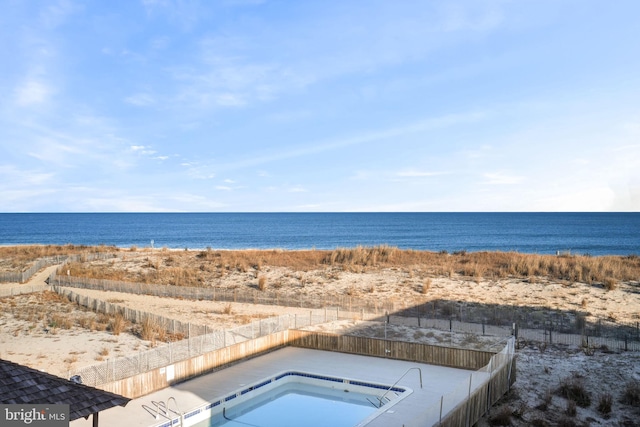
{"type": "Point", "coordinates": [249, 296]}
{"type": "Point", "coordinates": [23, 289]}
{"type": "Point", "coordinates": [161, 377]}
{"type": "Point", "coordinates": [136, 316]}
{"type": "Point", "coordinates": [502, 374]}
{"type": "Point", "coordinates": [24, 276]}
{"type": "Point", "coordinates": [619, 336]}
{"type": "Point", "coordinates": [401, 350]}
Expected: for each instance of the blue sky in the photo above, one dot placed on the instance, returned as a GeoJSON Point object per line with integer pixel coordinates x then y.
{"type": "Point", "coordinates": [249, 105]}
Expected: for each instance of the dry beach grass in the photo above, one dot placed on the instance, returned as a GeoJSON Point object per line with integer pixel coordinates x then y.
{"type": "Point", "coordinates": [549, 376]}
{"type": "Point", "coordinates": [591, 287]}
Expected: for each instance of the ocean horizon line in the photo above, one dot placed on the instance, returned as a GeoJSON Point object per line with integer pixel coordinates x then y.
{"type": "Point", "coordinates": [597, 233]}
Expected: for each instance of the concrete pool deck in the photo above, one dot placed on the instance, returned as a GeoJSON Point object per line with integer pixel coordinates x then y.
{"type": "Point", "coordinates": [437, 381]}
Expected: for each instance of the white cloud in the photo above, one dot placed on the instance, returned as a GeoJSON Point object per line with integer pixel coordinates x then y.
{"type": "Point", "coordinates": [52, 151]}
{"type": "Point", "coordinates": [56, 12]}
{"type": "Point", "coordinates": [122, 203]}
{"type": "Point", "coordinates": [143, 150]}
{"type": "Point", "coordinates": [244, 2]}
{"type": "Point", "coordinates": [418, 174]}
{"type": "Point", "coordinates": [297, 189]}
{"type": "Point", "coordinates": [230, 100]}
{"type": "Point", "coordinates": [456, 17]}
{"type": "Point", "coordinates": [27, 178]}
{"type": "Point", "coordinates": [160, 43]}
{"type": "Point", "coordinates": [199, 171]}
{"type": "Point", "coordinates": [32, 92]}
{"type": "Point", "coordinates": [140, 100]}
{"type": "Point", "coordinates": [501, 178]}
{"type": "Point", "coordinates": [311, 148]}
{"type": "Point", "coordinates": [594, 199]}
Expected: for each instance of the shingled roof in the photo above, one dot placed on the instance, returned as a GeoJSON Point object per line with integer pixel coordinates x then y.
{"type": "Point", "coordinates": [20, 384]}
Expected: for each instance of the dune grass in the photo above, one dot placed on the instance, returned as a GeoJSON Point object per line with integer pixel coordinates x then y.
{"type": "Point", "coordinates": [18, 258]}
{"type": "Point", "coordinates": [191, 268]}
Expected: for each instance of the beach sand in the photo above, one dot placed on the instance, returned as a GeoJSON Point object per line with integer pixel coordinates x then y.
{"type": "Point", "coordinates": [33, 342]}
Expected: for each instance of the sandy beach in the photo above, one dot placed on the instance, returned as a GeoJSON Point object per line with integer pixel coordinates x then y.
{"type": "Point", "coordinates": [27, 335]}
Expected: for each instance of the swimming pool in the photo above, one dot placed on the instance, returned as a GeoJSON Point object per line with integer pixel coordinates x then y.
{"type": "Point", "coordinates": [298, 398]}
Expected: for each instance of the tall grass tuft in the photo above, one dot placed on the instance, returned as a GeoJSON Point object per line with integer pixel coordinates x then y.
{"type": "Point", "coordinates": [574, 389]}
{"type": "Point", "coordinates": [502, 417]}
{"type": "Point", "coordinates": [610, 284]}
{"type": "Point", "coordinates": [426, 285]}
{"type": "Point", "coordinates": [148, 331]}
{"type": "Point", "coordinates": [604, 403]}
{"type": "Point", "coordinates": [118, 324]}
{"type": "Point", "coordinates": [631, 394]}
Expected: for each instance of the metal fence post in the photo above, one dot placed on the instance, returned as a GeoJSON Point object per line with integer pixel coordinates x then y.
{"type": "Point", "coordinates": [469, 400]}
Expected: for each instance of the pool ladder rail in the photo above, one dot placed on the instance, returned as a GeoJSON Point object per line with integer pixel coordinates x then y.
{"type": "Point", "coordinates": [384, 396]}
{"type": "Point", "coordinates": [163, 409]}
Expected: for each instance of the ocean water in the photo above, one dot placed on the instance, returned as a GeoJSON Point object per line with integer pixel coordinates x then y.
{"type": "Point", "coordinates": [581, 233]}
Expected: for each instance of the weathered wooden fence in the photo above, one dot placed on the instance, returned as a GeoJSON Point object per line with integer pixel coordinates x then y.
{"type": "Point", "coordinates": [24, 276]}
{"type": "Point", "coordinates": [502, 374]}
{"type": "Point", "coordinates": [23, 289]}
{"type": "Point", "coordinates": [401, 350]}
{"type": "Point", "coordinates": [615, 335]}
{"type": "Point", "coordinates": [163, 376]}
{"type": "Point", "coordinates": [249, 296]}
{"type": "Point", "coordinates": [136, 316]}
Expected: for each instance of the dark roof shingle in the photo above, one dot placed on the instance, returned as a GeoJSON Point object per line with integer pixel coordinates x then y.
{"type": "Point", "coordinates": [21, 384]}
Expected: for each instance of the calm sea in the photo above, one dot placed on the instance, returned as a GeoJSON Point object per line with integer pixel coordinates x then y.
{"type": "Point", "coordinates": [582, 233]}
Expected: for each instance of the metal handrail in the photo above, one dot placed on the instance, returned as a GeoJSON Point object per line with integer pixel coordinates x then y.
{"type": "Point", "coordinates": [179, 412]}
{"type": "Point", "coordinates": [394, 384]}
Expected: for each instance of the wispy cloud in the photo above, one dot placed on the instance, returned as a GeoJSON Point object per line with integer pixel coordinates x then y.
{"type": "Point", "coordinates": [12, 174]}
{"type": "Point", "coordinates": [250, 104]}
{"type": "Point", "coordinates": [56, 12]}
{"type": "Point", "coordinates": [200, 171]}
{"type": "Point", "coordinates": [312, 148]}
{"type": "Point", "coordinates": [142, 150]}
{"type": "Point", "coordinates": [32, 92]}
{"type": "Point", "coordinates": [501, 178]}
{"type": "Point", "coordinates": [140, 99]}
{"type": "Point", "coordinates": [297, 189]}
{"type": "Point", "coordinates": [418, 174]}
{"type": "Point", "coordinates": [185, 14]}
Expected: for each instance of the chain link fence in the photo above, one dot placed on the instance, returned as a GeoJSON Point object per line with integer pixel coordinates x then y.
{"type": "Point", "coordinates": [532, 323]}
{"type": "Point", "coordinates": [443, 315]}
{"type": "Point", "coordinates": [172, 352]}
{"type": "Point", "coordinates": [200, 339]}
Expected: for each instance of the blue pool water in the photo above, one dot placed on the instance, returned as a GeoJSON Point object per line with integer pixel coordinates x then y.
{"type": "Point", "coordinates": [297, 399]}
{"type": "Point", "coordinates": [294, 405]}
